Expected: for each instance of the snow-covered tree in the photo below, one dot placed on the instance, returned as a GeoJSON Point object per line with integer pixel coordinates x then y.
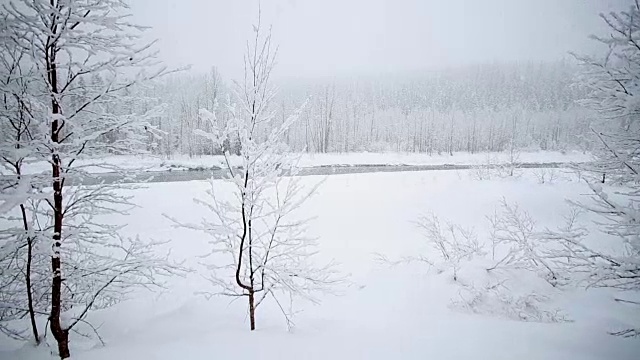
{"type": "Point", "coordinates": [21, 283]}
{"type": "Point", "coordinates": [516, 244]}
{"type": "Point", "coordinates": [453, 243]}
{"type": "Point", "coordinates": [259, 247]}
{"type": "Point", "coordinates": [613, 84]}
{"type": "Point", "coordinates": [463, 109]}
{"type": "Point", "coordinates": [513, 279]}
{"type": "Point", "coordinates": [84, 56]}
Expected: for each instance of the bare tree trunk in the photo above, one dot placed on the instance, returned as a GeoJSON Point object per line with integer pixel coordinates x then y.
{"type": "Point", "coordinates": [25, 223]}
{"type": "Point", "coordinates": [61, 335]}
{"type": "Point", "coordinates": [27, 278]}
{"type": "Point", "coordinates": [474, 140]}
{"type": "Point", "coordinates": [490, 137]}
{"type": "Point", "coordinates": [252, 310]}
{"type": "Point", "coordinates": [451, 137]}
{"type": "Point", "coordinates": [306, 134]}
{"type": "Point", "coordinates": [328, 115]}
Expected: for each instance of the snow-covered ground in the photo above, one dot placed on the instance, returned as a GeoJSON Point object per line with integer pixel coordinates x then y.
{"type": "Point", "coordinates": [389, 312]}
{"type": "Point", "coordinates": [155, 163]}
{"type": "Point", "coordinates": [425, 159]}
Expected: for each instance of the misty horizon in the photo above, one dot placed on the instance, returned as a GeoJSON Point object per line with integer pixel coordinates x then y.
{"type": "Point", "coordinates": [372, 38]}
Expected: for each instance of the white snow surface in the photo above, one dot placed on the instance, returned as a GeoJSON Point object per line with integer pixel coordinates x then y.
{"type": "Point", "coordinates": [182, 162]}
{"type": "Point", "coordinates": [388, 312]}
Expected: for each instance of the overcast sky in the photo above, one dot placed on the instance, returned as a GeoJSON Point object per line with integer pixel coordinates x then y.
{"type": "Point", "coordinates": [336, 37]}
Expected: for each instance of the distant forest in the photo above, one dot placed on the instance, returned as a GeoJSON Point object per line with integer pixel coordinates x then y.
{"type": "Point", "coordinates": [492, 107]}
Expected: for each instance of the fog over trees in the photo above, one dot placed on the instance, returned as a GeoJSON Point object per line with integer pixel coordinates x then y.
{"type": "Point", "coordinates": [470, 109]}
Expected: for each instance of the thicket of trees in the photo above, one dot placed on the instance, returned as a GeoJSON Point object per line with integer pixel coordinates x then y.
{"type": "Point", "coordinates": [481, 108]}
{"type": "Point", "coordinates": [613, 83]}
{"type": "Point", "coordinates": [570, 255]}
{"type": "Point", "coordinates": [74, 78]}
{"type": "Point", "coordinates": [489, 107]}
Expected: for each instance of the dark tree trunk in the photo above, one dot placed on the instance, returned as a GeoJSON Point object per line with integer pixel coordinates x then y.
{"type": "Point", "coordinates": [27, 275]}
{"type": "Point", "coordinates": [63, 344]}
{"type": "Point", "coordinates": [59, 333]}
{"type": "Point", "coordinates": [252, 310]}
{"type": "Point", "coordinates": [27, 278]}
{"type": "Point", "coordinates": [247, 236]}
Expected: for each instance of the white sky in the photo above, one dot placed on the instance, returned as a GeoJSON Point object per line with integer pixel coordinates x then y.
{"type": "Point", "coordinates": [337, 37]}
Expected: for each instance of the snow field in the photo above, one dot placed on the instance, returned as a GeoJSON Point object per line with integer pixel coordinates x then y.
{"type": "Point", "coordinates": [385, 312]}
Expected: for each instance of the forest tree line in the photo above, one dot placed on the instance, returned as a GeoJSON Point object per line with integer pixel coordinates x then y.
{"type": "Point", "coordinates": [479, 108]}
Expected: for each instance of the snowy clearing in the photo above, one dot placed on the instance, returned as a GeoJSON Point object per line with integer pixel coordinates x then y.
{"type": "Point", "coordinates": [388, 312]}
